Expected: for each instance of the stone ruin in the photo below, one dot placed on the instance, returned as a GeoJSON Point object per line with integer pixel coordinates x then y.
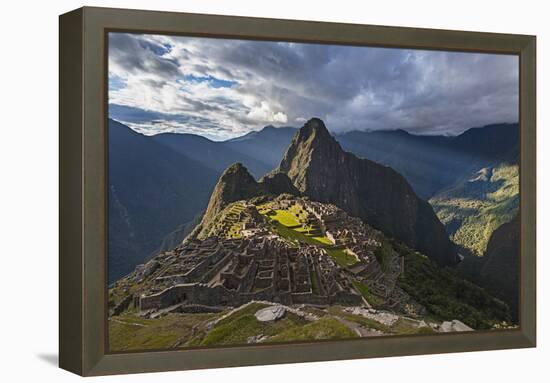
{"type": "Point", "coordinates": [223, 272]}
{"type": "Point", "coordinates": [259, 265]}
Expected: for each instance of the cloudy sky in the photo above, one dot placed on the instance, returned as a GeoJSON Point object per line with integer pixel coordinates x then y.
{"type": "Point", "coordinates": [223, 88]}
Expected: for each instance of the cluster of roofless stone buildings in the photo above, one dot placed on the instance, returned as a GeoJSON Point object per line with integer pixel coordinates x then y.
{"type": "Point", "coordinates": [261, 265]}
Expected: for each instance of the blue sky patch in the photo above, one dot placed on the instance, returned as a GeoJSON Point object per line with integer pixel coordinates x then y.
{"type": "Point", "coordinates": [116, 83]}
{"type": "Point", "coordinates": [212, 81]}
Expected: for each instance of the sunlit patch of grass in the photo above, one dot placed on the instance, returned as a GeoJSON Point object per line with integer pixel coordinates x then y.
{"type": "Point", "coordinates": [286, 218]}
{"type": "Point", "coordinates": [284, 227]}
{"type": "Point", "coordinates": [288, 226]}
{"type": "Point", "coordinates": [342, 257]}
{"type": "Point", "coordinates": [374, 300]}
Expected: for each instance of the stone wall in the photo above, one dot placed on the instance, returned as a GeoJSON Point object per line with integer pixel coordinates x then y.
{"type": "Point", "coordinates": [201, 294]}
{"type": "Point", "coordinates": [198, 271]}
{"type": "Point", "coordinates": [216, 269]}
{"type": "Point", "coordinates": [247, 280]}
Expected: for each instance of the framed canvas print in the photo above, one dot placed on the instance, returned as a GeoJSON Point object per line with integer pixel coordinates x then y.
{"type": "Point", "coordinates": [240, 191]}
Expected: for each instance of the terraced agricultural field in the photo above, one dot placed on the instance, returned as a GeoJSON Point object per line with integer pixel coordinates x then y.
{"type": "Point", "coordinates": [230, 224]}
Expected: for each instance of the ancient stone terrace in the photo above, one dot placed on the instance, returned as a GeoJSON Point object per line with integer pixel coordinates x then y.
{"type": "Point", "coordinates": [325, 213]}
{"type": "Point", "coordinates": [345, 231]}
{"type": "Point", "coordinates": [233, 272]}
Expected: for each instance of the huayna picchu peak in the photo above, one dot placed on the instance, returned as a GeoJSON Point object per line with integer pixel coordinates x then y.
{"type": "Point", "coordinates": [235, 184]}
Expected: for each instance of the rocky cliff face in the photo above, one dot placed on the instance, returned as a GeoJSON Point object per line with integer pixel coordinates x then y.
{"type": "Point", "coordinates": [278, 183]}
{"type": "Point", "coordinates": [235, 184]}
{"type": "Point", "coordinates": [499, 273]}
{"type": "Point", "coordinates": [320, 169]}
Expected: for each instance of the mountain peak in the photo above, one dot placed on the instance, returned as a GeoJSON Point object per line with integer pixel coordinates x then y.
{"type": "Point", "coordinates": [235, 184]}
{"type": "Point", "coordinates": [277, 183]}
{"type": "Point", "coordinates": [312, 146]}
{"type": "Point", "coordinates": [236, 169]}
{"type": "Point", "coordinates": [315, 127]}
{"type": "Point", "coordinates": [320, 169]}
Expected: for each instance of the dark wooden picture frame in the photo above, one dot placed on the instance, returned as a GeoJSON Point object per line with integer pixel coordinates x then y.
{"type": "Point", "coordinates": [83, 199]}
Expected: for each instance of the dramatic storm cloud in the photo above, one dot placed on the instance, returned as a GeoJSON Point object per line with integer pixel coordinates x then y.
{"type": "Point", "coordinates": [225, 88]}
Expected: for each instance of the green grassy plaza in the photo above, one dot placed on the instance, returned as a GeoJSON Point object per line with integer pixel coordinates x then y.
{"type": "Point", "coordinates": [290, 224]}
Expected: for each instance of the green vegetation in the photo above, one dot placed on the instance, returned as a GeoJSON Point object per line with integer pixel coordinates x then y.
{"type": "Point", "coordinates": [325, 328]}
{"type": "Point", "coordinates": [115, 297]}
{"type": "Point", "coordinates": [292, 225]}
{"type": "Point", "coordinates": [239, 326]}
{"type": "Point", "coordinates": [365, 322]}
{"type": "Point", "coordinates": [448, 296]}
{"type": "Point", "coordinates": [405, 326]}
{"type": "Point", "coordinates": [299, 230]}
{"type": "Point", "coordinates": [342, 257]}
{"type": "Point", "coordinates": [232, 221]}
{"type": "Point", "coordinates": [374, 300]}
{"type": "Point", "coordinates": [285, 217]}
{"type": "Point", "coordinates": [129, 332]}
{"type": "Point", "coordinates": [473, 210]}
{"type": "Point", "coordinates": [299, 212]}
{"type": "Point", "coordinates": [383, 255]}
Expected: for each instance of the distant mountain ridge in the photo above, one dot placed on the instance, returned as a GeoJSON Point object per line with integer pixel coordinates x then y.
{"type": "Point", "coordinates": [494, 141]}
{"type": "Point", "coordinates": [214, 155]}
{"type": "Point", "coordinates": [269, 143]}
{"type": "Point", "coordinates": [430, 163]}
{"type": "Point", "coordinates": [149, 196]}
{"type": "Point", "coordinates": [433, 163]}
{"type": "Point", "coordinates": [260, 151]}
